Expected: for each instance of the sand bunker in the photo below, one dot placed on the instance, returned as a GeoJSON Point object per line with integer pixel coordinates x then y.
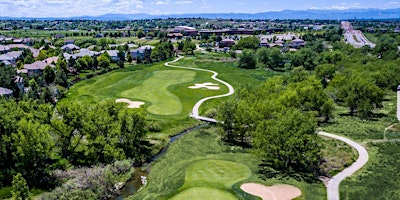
{"type": "Point", "coordinates": [131, 104]}
{"type": "Point", "coordinates": [275, 192]}
{"type": "Point", "coordinates": [210, 86]}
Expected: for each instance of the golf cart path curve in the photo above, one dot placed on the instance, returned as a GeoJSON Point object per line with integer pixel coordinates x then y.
{"type": "Point", "coordinates": [195, 110]}
{"type": "Point", "coordinates": [333, 184]}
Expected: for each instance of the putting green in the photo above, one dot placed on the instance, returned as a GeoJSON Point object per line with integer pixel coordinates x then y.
{"type": "Point", "coordinates": [155, 91]}
{"type": "Point", "coordinates": [215, 173]}
{"type": "Point", "coordinates": [201, 193]}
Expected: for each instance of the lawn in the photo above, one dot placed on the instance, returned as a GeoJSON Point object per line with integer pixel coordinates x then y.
{"type": "Point", "coordinates": [200, 193]}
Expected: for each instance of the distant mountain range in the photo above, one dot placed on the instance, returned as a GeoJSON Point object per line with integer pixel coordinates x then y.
{"type": "Point", "coordinates": [285, 14]}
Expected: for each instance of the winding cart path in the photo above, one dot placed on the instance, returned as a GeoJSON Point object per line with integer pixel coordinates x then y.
{"type": "Point", "coordinates": [333, 184]}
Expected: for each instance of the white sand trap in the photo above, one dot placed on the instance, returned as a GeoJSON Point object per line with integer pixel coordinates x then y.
{"type": "Point", "coordinates": [131, 104]}
{"type": "Point", "coordinates": [208, 85]}
{"type": "Point", "coordinates": [275, 192]}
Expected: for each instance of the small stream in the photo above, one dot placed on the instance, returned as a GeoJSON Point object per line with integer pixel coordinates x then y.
{"type": "Point", "coordinates": [135, 183]}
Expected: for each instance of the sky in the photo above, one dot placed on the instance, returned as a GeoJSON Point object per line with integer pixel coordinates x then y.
{"type": "Point", "coordinates": [71, 8]}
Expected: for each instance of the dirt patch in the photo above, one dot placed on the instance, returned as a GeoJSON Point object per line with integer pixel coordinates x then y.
{"type": "Point", "coordinates": [275, 192]}
{"type": "Point", "coordinates": [131, 104]}
{"type": "Point", "coordinates": [210, 86]}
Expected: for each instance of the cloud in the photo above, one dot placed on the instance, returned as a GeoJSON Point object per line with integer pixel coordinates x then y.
{"type": "Point", "coordinates": [183, 2]}
{"type": "Point", "coordinates": [162, 2]}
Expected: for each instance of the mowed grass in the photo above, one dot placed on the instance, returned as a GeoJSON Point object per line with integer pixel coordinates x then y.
{"type": "Point", "coordinates": [164, 90]}
{"type": "Point", "coordinates": [155, 91]}
{"type": "Point", "coordinates": [201, 193]}
{"type": "Point", "coordinates": [216, 173]}
{"type": "Point", "coordinates": [189, 163]}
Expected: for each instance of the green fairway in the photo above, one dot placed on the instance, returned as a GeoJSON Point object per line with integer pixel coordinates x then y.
{"type": "Point", "coordinates": [216, 173]}
{"type": "Point", "coordinates": [200, 193]}
{"type": "Point", "coordinates": [155, 91]}
{"type": "Point", "coordinates": [164, 90]}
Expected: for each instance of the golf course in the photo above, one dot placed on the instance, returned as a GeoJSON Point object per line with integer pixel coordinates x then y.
{"type": "Point", "coordinates": [165, 91]}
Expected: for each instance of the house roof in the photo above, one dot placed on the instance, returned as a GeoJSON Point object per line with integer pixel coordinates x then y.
{"type": "Point", "coordinates": [85, 52]}
{"type": "Point", "coordinates": [38, 65]}
{"type": "Point", "coordinates": [51, 60]}
{"type": "Point", "coordinates": [5, 91]}
{"type": "Point", "coordinates": [70, 46]}
{"type": "Point", "coordinates": [4, 48]}
{"type": "Point", "coordinates": [12, 55]}
{"type": "Point", "coordinates": [34, 51]}
{"type": "Point", "coordinates": [297, 40]}
{"type": "Point", "coordinates": [112, 53]}
{"type": "Point", "coordinates": [19, 46]}
{"type": "Point", "coordinates": [227, 40]}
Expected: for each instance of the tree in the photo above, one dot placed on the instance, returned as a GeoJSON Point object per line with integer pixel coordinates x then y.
{"type": "Point", "coordinates": [247, 59]}
{"type": "Point", "coordinates": [104, 61]}
{"type": "Point", "coordinates": [140, 34]}
{"type": "Point", "coordinates": [33, 144]}
{"type": "Point", "coordinates": [269, 58]}
{"type": "Point", "coordinates": [358, 92]}
{"type": "Point", "coordinates": [20, 190]}
{"type": "Point", "coordinates": [289, 142]}
{"type": "Point", "coordinates": [7, 75]}
{"type": "Point", "coordinates": [304, 57]}
{"type": "Point", "coordinates": [249, 43]}
{"type": "Point", "coordinates": [130, 59]}
{"type": "Point", "coordinates": [387, 48]}
{"type": "Point", "coordinates": [121, 56]}
{"type": "Point", "coordinates": [49, 74]}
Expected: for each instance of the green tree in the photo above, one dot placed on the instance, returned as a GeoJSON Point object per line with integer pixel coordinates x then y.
{"type": "Point", "coordinates": [358, 92]}
{"type": "Point", "coordinates": [289, 142]}
{"type": "Point", "coordinates": [247, 59]}
{"type": "Point", "coordinates": [269, 58]}
{"type": "Point", "coordinates": [34, 145]}
{"type": "Point", "coordinates": [121, 61]}
{"type": "Point", "coordinates": [140, 34]}
{"type": "Point", "coordinates": [20, 190]}
{"type": "Point", "coordinates": [249, 43]}
{"type": "Point", "coordinates": [49, 74]}
{"type": "Point", "coordinates": [103, 61]}
{"type": "Point", "coordinates": [387, 48]}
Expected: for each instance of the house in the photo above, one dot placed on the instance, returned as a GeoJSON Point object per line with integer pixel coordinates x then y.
{"type": "Point", "coordinates": [36, 67]}
{"type": "Point", "coordinates": [4, 92]}
{"type": "Point", "coordinates": [141, 51]}
{"type": "Point", "coordinates": [69, 42]}
{"type": "Point", "coordinates": [18, 41]}
{"type": "Point", "coordinates": [226, 43]}
{"type": "Point", "coordinates": [113, 55]}
{"type": "Point", "coordinates": [58, 36]}
{"type": "Point", "coordinates": [20, 47]}
{"type": "Point", "coordinates": [4, 49]}
{"type": "Point", "coordinates": [10, 57]}
{"type": "Point", "coordinates": [70, 47]}
{"type": "Point", "coordinates": [296, 43]}
{"type": "Point", "coordinates": [264, 43]}
{"type": "Point", "coordinates": [51, 60]}
{"type": "Point", "coordinates": [86, 52]}
{"type": "Point", "coordinates": [176, 36]}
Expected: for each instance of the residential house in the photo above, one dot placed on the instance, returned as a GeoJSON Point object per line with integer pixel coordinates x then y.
{"type": "Point", "coordinates": [18, 41]}
{"type": "Point", "coordinates": [141, 51]}
{"type": "Point", "coordinates": [4, 92]}
{"type": "Point", "coordinates": [51, 60]}
{"type": "Point", "coordinates": [4, 49]}
{"type": "Point", "coordinates": [113, 55]}
{"type": "Point", "coordinates": [69, 42]}
{"type": "Point", "coordinates": [10, 57]}
{"type": "Point", "coordinates": [36, 67]}
{"type": "Point", "coordinates": [226, 43]}
{"type": "Point", "coordinates": [85, 52]}
{"type": "Point", "coordinates": [297, 43]}
{"type": "Point", "coordinates": [176, 36]}
{"type": "Point", "coordinates": [70, 47]}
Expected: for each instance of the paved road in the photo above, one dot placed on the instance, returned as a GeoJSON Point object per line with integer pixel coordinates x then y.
{"type": "Point", "coordinates": [355, 37]}
{"type": "Point", "coordinates": [333, 184]}
{"type": "Point", "coordinates": [195, 110]}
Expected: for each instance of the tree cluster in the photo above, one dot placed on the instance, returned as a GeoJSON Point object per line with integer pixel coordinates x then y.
{"type": "Point", "coordinates": [36, 138]}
